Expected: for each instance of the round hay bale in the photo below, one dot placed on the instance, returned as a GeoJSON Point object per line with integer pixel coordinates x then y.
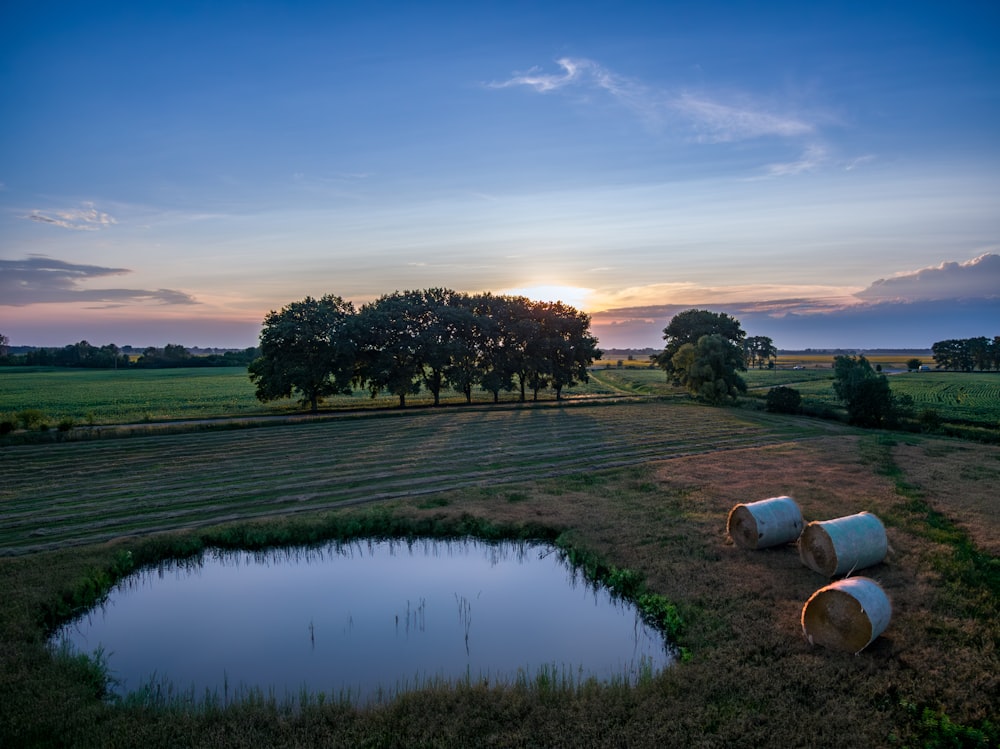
{"type": "Point", "coordinates": [846, 615]}
{"type": "Point", "coordinates": [769, 522]}
{"type": "Point", "coordinates": [840, 546]}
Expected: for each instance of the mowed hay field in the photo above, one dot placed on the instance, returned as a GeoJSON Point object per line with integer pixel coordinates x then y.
{"type": "Point", "coordinates": [644, 486]}
{"type": "Point", "coordinates": [98, 489]}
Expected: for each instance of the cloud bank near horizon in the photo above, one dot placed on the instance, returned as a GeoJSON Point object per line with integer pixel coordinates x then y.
{"type": "Point", "coordinates": [912, 309]}
{"type": "Point", "coordinates": [978, 278]}
{"type": "Point", "coordinates": [39, 279]}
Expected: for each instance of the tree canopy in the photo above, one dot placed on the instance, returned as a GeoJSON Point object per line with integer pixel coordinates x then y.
{"type": "Point", "coordinates": [866, 393]}
{"type": "Point", "coordinates": [307, 348]}
{"type": "Point", "coordinates": [967, 354]}
{"type": "Point", "coordinates": [688, 327]}
{"type": "Point", "coordinates": [760, 351]}
{"type": "Point", "coordinates": [432, 339]}
{"type": "Point", "coordinates": [708, 368]}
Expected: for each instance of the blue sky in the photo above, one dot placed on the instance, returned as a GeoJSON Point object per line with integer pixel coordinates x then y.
{"type": "Point", "coordinates": [830, 173]}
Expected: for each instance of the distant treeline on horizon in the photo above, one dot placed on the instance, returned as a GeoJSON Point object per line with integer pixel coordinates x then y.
{"type": "Point", "coordinates": [962, 354]}
{"type": "Point", "coordinates": [110, 356]}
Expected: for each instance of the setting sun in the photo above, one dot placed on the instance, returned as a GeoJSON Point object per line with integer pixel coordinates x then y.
{"type": "Point", "coordinates": [575, 296]}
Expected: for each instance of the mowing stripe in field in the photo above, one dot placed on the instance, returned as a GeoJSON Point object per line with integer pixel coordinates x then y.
{"type": "Point", "coordinates": [87, 491]}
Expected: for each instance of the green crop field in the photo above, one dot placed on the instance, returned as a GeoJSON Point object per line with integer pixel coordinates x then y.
{"type": "Point", "coordinates": [954, 395]}
{"type": "Point", "coordinates": [969, 397]}
{"type": "Point", "coordinates": [91, 396]}
{"type": "Point", "coordinates": [108, 488]}
{"type": "Point", "coordinates": [104, 396]}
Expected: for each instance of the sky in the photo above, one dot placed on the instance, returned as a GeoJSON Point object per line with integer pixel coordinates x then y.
{"type": "Point", "coordinates": [829, 173]}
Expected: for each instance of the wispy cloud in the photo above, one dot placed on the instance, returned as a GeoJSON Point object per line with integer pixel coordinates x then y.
{"type": "Point", "coordinates": [710, 119]}
{"type": "Point", "coordinates": [42, 280]}
{"type": "Point", "coordinates": [779, 299]}
{"type": "Point", "coordinates": [87, 218]}
{"type": "Point", "coordinates": [717, 122]}
{"type": "Point", "coordinates": [542, 82]}
{"type": "Point", "coordinates": [813, 157]}
{"type": "Point", "coordinates": [858, 162]}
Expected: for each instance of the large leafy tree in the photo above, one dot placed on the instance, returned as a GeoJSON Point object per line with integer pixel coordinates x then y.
{"type": "Point", "coordinates": [522, 355]}
{"type": "Point", "coordinates": [307, 348]}
{"type": "Point", "coordinates": [393, 344]}
{"type": "Point", "coordinates": [437, 330]}
{"type": "Point", "coordinates": [568, 345]}
{"type": "Point", "coordinates": [494, 344]}
{"type": "Point", "coordinates": [689, 327]}
{"type": "Point", "coordinates": [708, 368]}
{"type": "Point", "coordinates": [760, 351]}
{"type": "Point", "coordinates": [866, 393]}
{"type": "Point", "coordinates": [465, 335]}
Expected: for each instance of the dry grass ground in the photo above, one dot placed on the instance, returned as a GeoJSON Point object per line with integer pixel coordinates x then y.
{"type": "Point", "coordinates": [964, 482]}
{"type": "Point", "coordinates": [751, 679]}
{"type": "Point", "coordinates": [750, 661]}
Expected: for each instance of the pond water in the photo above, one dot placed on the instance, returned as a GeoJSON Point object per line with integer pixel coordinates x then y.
{"type": "Point", "coordinates": [364, 619]}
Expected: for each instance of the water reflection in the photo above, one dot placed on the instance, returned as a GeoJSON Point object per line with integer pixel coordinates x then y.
{"type": "Point", "coordinates": [366, 617]}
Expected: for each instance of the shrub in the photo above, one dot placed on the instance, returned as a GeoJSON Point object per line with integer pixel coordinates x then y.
{"type": "Point", "coordinates": [930, 420]}
{"type": "Point", "coordinates": [784, 400]}
{"type": "Point", "coordinates": [8, 423]}
{"type": "Point", "coordinates": [30, 417]}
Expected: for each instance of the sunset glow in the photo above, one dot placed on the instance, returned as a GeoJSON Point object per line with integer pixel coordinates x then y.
{"type": "Point", "coordinates": [630, 161]}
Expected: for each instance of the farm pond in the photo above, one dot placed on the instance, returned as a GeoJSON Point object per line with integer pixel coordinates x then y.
{"type": "Point", "coordinates": [364, 620]}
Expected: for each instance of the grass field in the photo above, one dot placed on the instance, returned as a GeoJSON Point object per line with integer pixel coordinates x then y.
{"type": "Point", "coordinates": [643, 486]}
{"type": "Point", "coordinates": [93, 396]}
{"type": "Point", "coordinates": [961, 397]}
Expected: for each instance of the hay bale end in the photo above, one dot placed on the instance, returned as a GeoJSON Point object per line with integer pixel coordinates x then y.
{"type": "Point", "coordinates": [768, 522]}
{"type": "Point", "coordinates": [846, 615]}
{"type": "Point", "coordinates": [843, 545]}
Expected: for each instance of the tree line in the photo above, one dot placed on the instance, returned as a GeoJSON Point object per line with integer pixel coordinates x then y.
{"type": "Point", "coordinates": [433, 339]}
{"type": "Point", "coordinates": [967, 354]}
{"type": "Point", "coordinates": [110, 356]}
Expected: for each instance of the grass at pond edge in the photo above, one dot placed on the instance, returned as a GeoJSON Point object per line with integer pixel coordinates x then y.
{"type": "Point", "coordinates": [46, 701]}
{"type": "Point", "coordinates": [83, 681]}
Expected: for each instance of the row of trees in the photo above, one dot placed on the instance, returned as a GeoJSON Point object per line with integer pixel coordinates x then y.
{"type": "Point", "coordinates": [434, 338]}
{"type": "Point", "coordinates": [760, 351]}
{"type": "Point", "coordinates": [968, 354]}
{"type": "Point", "coordinates": [110, 356]}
